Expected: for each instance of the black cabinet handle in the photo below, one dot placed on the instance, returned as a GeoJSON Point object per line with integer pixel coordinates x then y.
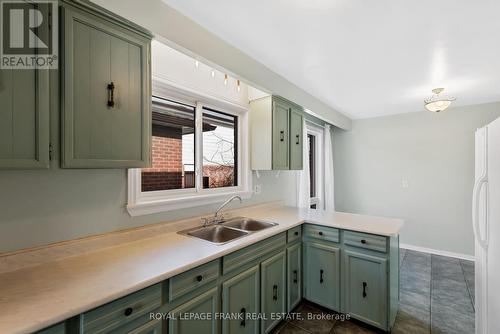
{"type": "Point", "coordinates": [296, 233]}
{"type": "Point", "coordinates": [282, 135]}
{"type": "Point", "coordinates": [199, 278]}
{"type": "Point", "coordinates": [244, 315]}
{"type": "Point", "coordinates": [363, 241]}
{"type": "Point", "coordinates": [321, 272]}
{"type": "Point", "coordinates": [298, 139]}
{"type": "Point", "coordinates": [275, 292]}
{"type": "Point", "coordinates": [364, 289]}
{"type": "Point", "coordinates": [111, 94]}
{"type": "Point", "coordinates": [320, 233]}
{"type": "Point", "coordinates": [295, 276]}
{"type": "Point", "coordinates": [128, 311]}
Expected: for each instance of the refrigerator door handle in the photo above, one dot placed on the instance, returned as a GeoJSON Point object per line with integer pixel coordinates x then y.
{"type": "Point", "coordinates": [483, 242]}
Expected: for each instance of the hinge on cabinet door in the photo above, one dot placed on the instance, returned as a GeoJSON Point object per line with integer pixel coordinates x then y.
{"type": "Point", "coordinates": [50, 151]}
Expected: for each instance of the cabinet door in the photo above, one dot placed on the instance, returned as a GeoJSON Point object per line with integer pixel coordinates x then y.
{"type": "Point", "coordinates": [197, 315]}
{"type": "Point", "coordinates": [24, 119]}
{"type": "Point", "coordinates": [152, 327]}
{"type": "Point", "coordinates": [296, 140]}
{"type": "Point", "coordinates": [294, 275]}
{"type": "Point", "coordinates": [105, 93]}
{"type": "Point", "coordinates": [272, 290]}
{"type": "Point", "coordinates": [280, 135]}
{"type": "Point", "coordinates": [365, 288]}
{"type": "Point", "coordinates": [241, 295]}
{"type": "Point", "coordinates": [322, 274]}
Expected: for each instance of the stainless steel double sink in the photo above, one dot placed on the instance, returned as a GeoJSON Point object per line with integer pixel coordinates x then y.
{"type": "Point", "coordinates": [227, 230]}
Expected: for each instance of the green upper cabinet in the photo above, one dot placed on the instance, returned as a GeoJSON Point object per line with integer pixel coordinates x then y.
{"type": "Point", "coordinates": [276, 134]}
{"type": "Point", "coordinates": [322, 274]}
{"type": "Point", "coordinates": [365, 279]}
{"type": "Point", "coordinates": [272, 290]}
{"type": "Point", "coordinates": [105, 92]}
{"type": "Point", "coordinates": [281, 114]}
{"type": "Point", "coordinates": [204, 304]}
{"type": "Point", "coordinates": [296, 140]}
{"type": "Point", "coordinates": [24, 118]}
{"type": "Point", "coordinates": [241, 296]}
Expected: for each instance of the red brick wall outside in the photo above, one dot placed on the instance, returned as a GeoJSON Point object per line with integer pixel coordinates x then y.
{"type": "Point", "coordinates": [166, 170]}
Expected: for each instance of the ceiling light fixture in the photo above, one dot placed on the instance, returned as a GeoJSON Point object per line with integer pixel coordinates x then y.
{"type": "Point", "coordinates": [438, 103]}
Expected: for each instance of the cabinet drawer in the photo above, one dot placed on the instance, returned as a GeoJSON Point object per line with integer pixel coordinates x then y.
{"type": "Point", "coordinates": [364, 240]}
{"type": "Point", "coordinates": [256, 251]}
{"type": "Point", "coordinates": [321, 232]}
{"type": "Point", "coordinates": [294, 233]}
{"type": "Point", "coordinates": [108, 317]}
{"type": "Point", "coordinates": [193, 279]}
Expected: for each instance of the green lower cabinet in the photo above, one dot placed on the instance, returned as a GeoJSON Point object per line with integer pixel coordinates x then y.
{"type": "Point", "coordinates": [152, 327]}
{"type": "Point", "coordinates": [241, 296]}
{"type": "Point", "coordinates": [365, 288]}
{"type": "Point", "coordinates": [59, 328]}
{"type": "Point", "coordinates": [322, 274]}
{"type": "Point", "coordinates": [273, 282]}
{"type": "Point", "coordinates": [294, 275]}
{"type": "Point", "coordinates": [197, 315]}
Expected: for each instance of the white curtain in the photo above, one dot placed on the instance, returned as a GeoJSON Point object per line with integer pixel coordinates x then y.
{"type": "Point", "coordinates": [329, 183]}
{"type": "Point", "coordinates": [303, 184]}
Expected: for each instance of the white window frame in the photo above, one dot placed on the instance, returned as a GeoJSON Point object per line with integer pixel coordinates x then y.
{"type": "Point", "coordinates": [143, 203]}
{"type": "Point", "coordinates": [319, 133]}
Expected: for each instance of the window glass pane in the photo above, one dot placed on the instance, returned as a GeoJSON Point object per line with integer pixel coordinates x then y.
{"type": "Point", "coordinates": [312, 164]}
{"type": "Point", "coordinates": [173, 155]}
{"type": "Point", "coordinates": [219, 149]}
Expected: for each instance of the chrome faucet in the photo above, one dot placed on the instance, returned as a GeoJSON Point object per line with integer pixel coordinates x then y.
{"type": "Point", "coordinates": [226, 203]}
{"type": "Point", "coordinates": [216, 219]}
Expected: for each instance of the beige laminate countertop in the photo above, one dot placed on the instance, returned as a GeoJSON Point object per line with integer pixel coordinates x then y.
{"type": "Point", "coordinates": [38, 296]}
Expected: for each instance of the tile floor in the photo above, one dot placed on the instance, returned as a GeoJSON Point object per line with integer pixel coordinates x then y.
{"type": "Point", "coordinates": [437, 296]}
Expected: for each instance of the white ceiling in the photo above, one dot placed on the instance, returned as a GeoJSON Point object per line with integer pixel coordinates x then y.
{"type": "Point", "coordinates": [366, 58]}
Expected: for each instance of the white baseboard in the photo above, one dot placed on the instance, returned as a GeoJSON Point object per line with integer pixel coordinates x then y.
{"type": "Point", "coordinates": [438, 252]}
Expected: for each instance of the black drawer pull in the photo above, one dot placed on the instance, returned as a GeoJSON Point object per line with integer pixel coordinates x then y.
{"type": "Point", "coordinates": [199, 278]}
{"type": "Point", "coordinates": [298, 140]}
{"type": "Point", "coordinates": [296, 233]}
{"type": "Point", "coordinates": [128, 311]}
{"type": "Point", "coordinates": [364, 289]}
{"type": "Point", "coordinates": [282, 135]}
{"type": "Point", "coordinates": [295, 276]}
{"type": "Point", "coordinates": [111, 94]}
{"type": "Point", "coordinates": [363, 241]}
{"type": "Point", "coordinates": [321, 272]}
{"type": "Point", "coordinates": [275, 292]}
{"type": "Point", "coordinates": [320, 233]}
{"type": "Point", "coordinates": [244, 315]}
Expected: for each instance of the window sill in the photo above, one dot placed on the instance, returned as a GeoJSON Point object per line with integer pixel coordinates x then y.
{"type": "Point", "coordinates": [146, 207]}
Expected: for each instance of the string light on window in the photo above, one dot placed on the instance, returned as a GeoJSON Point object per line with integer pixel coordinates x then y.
{"type": "Point", "coordinates": [225, 79]}
{"type": "Point", "coordinates": [239, 88]}
{"type": "Point", "coordinates": [213, 74]}
{"type": "Point", "coordinates": [196, 64]}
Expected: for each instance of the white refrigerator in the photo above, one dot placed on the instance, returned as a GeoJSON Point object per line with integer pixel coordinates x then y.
{"type": "Point", "coordinates": [486, 226]}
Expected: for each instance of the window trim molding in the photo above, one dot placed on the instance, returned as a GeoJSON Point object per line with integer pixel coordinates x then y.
{"type": "Point", "coordinates": [143, 203]}
{"type": "Point", "coordinates": [319, 133]}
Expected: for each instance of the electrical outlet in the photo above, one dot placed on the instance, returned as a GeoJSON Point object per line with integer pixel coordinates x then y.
{"type": "Point", "coordinates": [257, 189]}
{"type": "Point", "coordinates": [404, 183]}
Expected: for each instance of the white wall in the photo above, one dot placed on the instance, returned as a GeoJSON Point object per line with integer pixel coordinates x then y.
{"type": "Point", "coordinates": [434, 153]}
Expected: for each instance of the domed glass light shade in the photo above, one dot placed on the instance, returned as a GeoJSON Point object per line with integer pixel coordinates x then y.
{"type": "Point", "coordinates": [438, 103]}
